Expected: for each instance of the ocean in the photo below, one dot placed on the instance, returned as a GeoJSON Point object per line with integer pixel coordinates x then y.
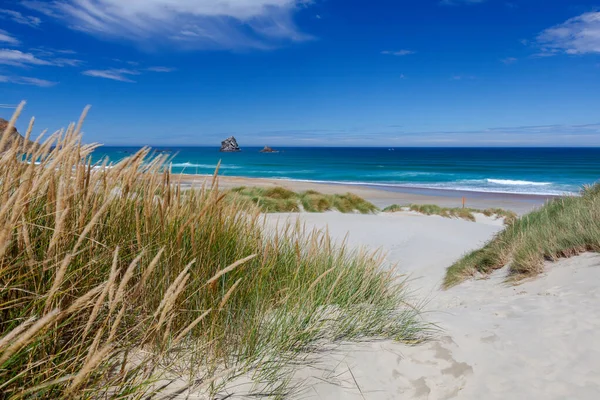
{"type": "Point", "coordinates": [547, 171]}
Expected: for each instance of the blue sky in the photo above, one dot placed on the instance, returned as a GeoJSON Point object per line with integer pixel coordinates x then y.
{"type": "Point", "coordinates": [307, 72]}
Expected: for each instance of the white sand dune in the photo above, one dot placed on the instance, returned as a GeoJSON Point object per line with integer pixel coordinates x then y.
{"type": "Point", "coordinates": [538, 340]}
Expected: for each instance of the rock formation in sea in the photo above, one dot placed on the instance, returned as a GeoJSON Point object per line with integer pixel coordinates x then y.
{"type": "Point", "coordinates": [267, 149]}
{"type": "Point", "coordinates": [14, 137]}
{"type": "Point", "coordinates": [230, 145]}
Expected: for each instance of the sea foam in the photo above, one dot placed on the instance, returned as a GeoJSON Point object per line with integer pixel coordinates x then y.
{"type": "Point", "coordinates": [517, 182]}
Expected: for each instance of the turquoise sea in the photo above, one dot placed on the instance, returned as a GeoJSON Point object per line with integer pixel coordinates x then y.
{"type": "Point", "coordinates": [501, 170]}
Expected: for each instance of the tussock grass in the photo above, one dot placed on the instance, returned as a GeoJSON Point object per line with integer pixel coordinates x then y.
{"type": "Point", "coordinates": [114, 280]}
{"type": "Point", "coordinates": [457, 212]}
{"type": "Point", "coordinates": [563, 227]}
{"type": "Point", "coordinates": [279, 199]}
{"type": "Point", "coordinates": [509, 216]}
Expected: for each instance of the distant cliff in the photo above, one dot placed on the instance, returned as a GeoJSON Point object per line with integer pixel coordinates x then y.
{"type": "Point", "coordinates": [14, 137]}
{"type": "Point", "coordinates": [230, 145]}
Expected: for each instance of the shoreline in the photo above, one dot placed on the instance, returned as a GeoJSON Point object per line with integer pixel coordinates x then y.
{"type": "Point", "coordinates": [383, 196]}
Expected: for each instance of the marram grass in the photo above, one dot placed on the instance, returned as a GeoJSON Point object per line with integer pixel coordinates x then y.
{"type": "Point", "coordinates": [114, 280]}
{"type": "Point", "coordinates": [563, 227]}
{"type": "Point", "coordinates": [279, 199]}
{"type": "Point", "coordinates": [456, 212]}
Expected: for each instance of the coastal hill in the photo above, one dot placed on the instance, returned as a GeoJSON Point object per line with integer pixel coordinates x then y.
{"type": "Point", "coordinates": [14, 136]}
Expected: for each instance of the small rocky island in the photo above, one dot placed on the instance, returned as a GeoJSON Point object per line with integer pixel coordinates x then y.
{"type": "Point", "coordinates": [267, 149]}
{"type": "Point", "coordinates": [230, 145]}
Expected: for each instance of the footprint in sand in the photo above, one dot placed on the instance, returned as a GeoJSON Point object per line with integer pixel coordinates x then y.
{"type": "Point", "coordinates": [436, 374]}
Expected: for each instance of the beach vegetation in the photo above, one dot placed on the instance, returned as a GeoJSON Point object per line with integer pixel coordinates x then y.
{"type": "Point", "coordinates": [456, 212]}
{"type": "Point", "coordinates": [278, 199]}
{"type": "Point", "coordinates": [563, 227]}
{"type": "Point", "coordinates": [508, 215]}
{"type": "Point", "coordinates": [117, 283]}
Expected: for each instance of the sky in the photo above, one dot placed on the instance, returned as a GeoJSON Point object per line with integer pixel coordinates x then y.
{"type": "Point", "coordinates": [306, 72]}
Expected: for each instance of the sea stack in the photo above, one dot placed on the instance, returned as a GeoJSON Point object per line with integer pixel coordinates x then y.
{"type": "Point", "coordinates": [15, 137]}
{"type": "Point", "coordinates": [230, 145]}
{"type": "Point", "coordinates": [267, 149]}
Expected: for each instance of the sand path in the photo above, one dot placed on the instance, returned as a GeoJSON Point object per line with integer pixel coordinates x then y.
{"type": "Point", "coordinates": [538, 340]}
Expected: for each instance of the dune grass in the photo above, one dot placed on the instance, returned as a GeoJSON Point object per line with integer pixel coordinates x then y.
{"type": "Point", "coordinates": [508, 215]}
{"type": "Point", "coordinates": [563, 227]}
{"type": "Point", "coordinates": [114, 280]}
{"type": "Point", "coordinates": [462, 213]}
{"type": "Point", "coordinates": [279, 199]}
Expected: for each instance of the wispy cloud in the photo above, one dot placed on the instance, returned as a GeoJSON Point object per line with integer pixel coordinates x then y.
{"type": "Point", "coordinates": [400, 53]}
{"type": "Point", "coordinates": [509, 60]}
{"type": "Point", "coordinates": [25, 80]}
{"type": "Point", "coordinates": [19, 18]}
{"type": "Point", "coordinates": [392, 135]}
{"type": "Point", "coordinates": [160, 69]}
{"type": "Point", "coordinates": [535, 135]}
{"type": "Point", "coordinates": [115, 74]}
{"type": "Point", "coordinates": [463, 77]}
{"type": "Point", "coordinates": [578, 35]}
{"type": "Point", "coordinates": [18, 58]}
{"type": "Point", "coordinates": [66, 62]}
{"type": "Point", "coordinates": [5, 37]}
{"type": "Point", "coordinates": [395, 135]}
{"type": "Point", "coordinates": [229, 24]}
{"type": "Point", "coordinates": [57, 56]}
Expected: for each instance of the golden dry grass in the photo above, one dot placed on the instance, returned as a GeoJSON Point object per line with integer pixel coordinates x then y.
{"type": "Point", "coordinates": [113, 279]}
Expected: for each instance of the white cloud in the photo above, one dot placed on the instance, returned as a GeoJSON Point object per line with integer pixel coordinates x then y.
{"type": "Point", "coordinates": [231, 24]}
{"type": "Point", "coordinates": [509, 60]}
{"type": "Point", "coordinates": [56, 57]}
{"type": "Point", "coordinates": [160, 69]}
{"type": "Point", "coordinates": [7, 38]}
{"type": "Point", "coordinates": [34, 81]}
{"type": "Point", "coordinates": [19, 18]}
{"type": "Point", "coordinates": [18, 58]}
{"type": "Point", "coordinates": [398, 52]}
{"type": "Point", "coordinates": [116, 74]}
{"type": "Point", "coordinates": [579, 35]}
{"type": "Point", "coordinates": [25, 80]}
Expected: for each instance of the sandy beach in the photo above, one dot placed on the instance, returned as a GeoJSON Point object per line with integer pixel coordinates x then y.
{"type": "Point", "coordinates": [537, 340]}
{"type": "Point", "coordinates": [383, 196]}
{"type": "Point", "coordinates": [300, 200]}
